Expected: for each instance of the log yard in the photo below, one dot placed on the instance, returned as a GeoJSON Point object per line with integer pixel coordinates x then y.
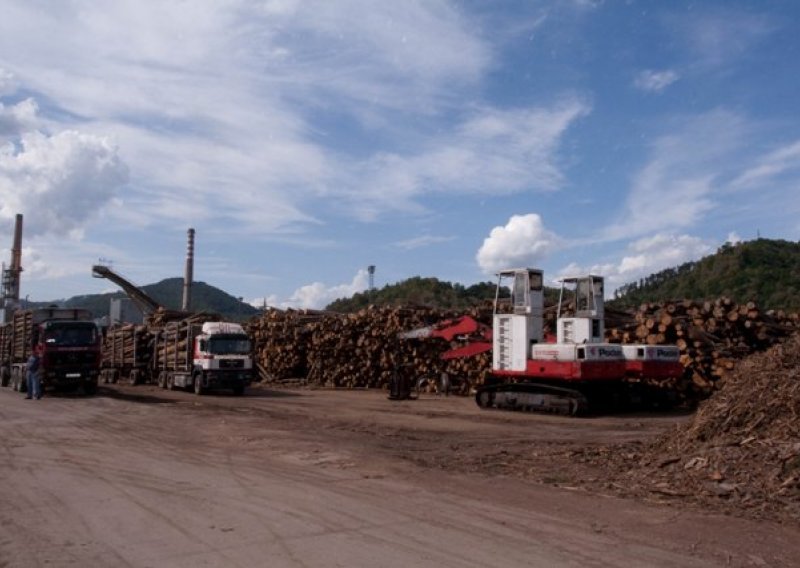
{"type": "Point", "coordinates": [515, 433]}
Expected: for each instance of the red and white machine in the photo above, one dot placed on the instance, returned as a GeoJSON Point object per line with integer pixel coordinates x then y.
{"type": "Point", "coordinates": [579, 368]}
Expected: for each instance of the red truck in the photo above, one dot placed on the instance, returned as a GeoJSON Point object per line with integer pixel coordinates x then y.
{"type": "Point", "coordinates": [68, 343]}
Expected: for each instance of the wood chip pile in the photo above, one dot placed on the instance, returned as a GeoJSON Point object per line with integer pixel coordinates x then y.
{"type": "Point", "coordinates": [741, 451]}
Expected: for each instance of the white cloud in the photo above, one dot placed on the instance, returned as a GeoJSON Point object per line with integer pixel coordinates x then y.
{"type": "Point", "coordinates": [423, 241]}
{"type": "Point", "coordinates": [769, 167]}
{"type": "Point", "coordinates": [7, 82]}
{"type": "Point", "coordinates": [733, 238]}
{"type": "Point", "coordinates": [522, 242]}
{"type": "Point", "coordinates": [318, 295]}
{"type": "Point", "coordinates": [644, 257]}
{"type": "Point", "coordinates": [717, 36]}
{"type": "Point", "coordinates": [17, 118]}
{"type": "Point", "coordinates": [655, 81]}
{"type": "Point", "coordinates": [493, 152]}
{"type": "Point", "coordinates": [59, 181]}
{"type": "Point", "coordinates": [686, 168]}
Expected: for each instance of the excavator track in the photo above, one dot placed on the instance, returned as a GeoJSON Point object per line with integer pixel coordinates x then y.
{"type": "Point", "coordinates": [533, 397]}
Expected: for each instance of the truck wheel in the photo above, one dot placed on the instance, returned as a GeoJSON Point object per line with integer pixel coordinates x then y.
{"type": "Point", "coordinates": [198, 384]}
{"type": "Point", "coordinates": [4, 377]}
{"type": "Point", "coordinates": [162, 380]}
{"type": "Point", "coordinates": [114, 376]}
{"type": "Point", "coordinates": [133, 378]}
{"type": "Point", "coordinates": [170, 382]}
{"type": "Point", "coordinates": [90, 389]}
{"type": "Point", "coordinates": [238, 390]}
{"type": "Point", "coordinates": [104, 375]}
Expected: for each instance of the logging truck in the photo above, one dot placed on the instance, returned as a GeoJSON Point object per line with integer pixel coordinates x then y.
{"type": "Point", "coordinates": [202, 356]}
{"type": "Point", "coordinates": [68, 343]}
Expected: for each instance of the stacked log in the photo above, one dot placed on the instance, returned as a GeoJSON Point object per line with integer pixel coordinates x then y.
{"type": "Point", "coordinates": [281, 340]}
{"type": "Point", "coordinates": [124, 344]}
{"type": "Point", "coordinates": [711, 335]}
{"type": "Point", "coordinates": [173, 341]}
{"type": "Point", "coordinates": [360, 350]}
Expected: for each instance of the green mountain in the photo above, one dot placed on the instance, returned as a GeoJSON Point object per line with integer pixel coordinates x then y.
{"type": "Point", "coordinates": [765, 271]}
{"type": "Point", "coordinates": [169, 293]}
{"type": "Point", "coordinates": [418, 291]}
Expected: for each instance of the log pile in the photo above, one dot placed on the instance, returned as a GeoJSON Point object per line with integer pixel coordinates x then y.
{"type": "Point", "coordinates": [125, 345]}
{"type": "Point", "coordinates": [711, 335]}
{"type": "Point", "coordinates": [281, 341]}
{"type": "Point", "coordinates": [360, 350]}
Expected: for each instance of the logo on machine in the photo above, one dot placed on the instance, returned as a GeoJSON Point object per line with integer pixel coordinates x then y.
{"type": "Point", "coordinates": [606, 352]}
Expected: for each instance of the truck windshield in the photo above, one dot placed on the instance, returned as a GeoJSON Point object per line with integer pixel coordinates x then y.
{"type": "Point", "coordinates": [229, 345]}
{"type": "Point", "coordinates": [70, 334]}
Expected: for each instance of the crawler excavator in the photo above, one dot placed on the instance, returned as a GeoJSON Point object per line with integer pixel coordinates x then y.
{"type": "Point", "coordinates": [577, 373]}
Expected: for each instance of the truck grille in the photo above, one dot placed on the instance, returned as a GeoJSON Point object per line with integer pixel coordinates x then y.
{"type": "Point", "coordinates": [71, 358]}
{"type": "Point", "coordinates": [231, 363]}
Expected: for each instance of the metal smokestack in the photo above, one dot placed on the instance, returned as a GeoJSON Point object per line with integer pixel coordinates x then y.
{"type": "Point", "coordinates": [189, 273]}
{"type": "Point", "coordinates": [9, 288]}
{"type": "Point", "coordinates": [16, 260]}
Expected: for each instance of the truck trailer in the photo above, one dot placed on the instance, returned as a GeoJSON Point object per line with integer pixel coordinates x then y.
{"type": "Point", "coordinates": [68, 343]}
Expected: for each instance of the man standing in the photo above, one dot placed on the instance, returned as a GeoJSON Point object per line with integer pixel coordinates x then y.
{"type": "Point", "coordinates": [34, 384]}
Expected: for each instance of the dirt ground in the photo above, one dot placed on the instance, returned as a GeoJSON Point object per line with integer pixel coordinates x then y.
{"type": "Point", "coordinates": [138, 476]}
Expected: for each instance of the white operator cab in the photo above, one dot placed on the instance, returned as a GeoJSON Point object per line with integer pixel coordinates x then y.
{"type": "Point", "coordinates": [515, 332]}
{"type": "Point", "coordinates": [587, 324]}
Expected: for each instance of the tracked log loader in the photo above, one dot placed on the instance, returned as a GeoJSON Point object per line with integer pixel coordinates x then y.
{"type": "Point", "coordinates": [577, 373]}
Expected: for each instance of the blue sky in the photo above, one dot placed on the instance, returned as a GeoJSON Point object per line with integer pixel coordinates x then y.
{"type": "Point", "coordinates": [306, 140]}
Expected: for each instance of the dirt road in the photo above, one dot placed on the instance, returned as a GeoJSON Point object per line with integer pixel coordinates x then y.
{"type": "Point", "coordinates": [138, 476]}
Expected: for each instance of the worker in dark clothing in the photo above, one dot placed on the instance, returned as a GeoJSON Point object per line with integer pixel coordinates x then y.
{"type": "Point", "coordinates": [34, 384]}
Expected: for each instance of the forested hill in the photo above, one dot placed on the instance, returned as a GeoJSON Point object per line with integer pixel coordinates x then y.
{"type": "Point", "coordinates": [765, 271]}
{"type": "Point", "coordinates": [419, 291]}
{"type": "Point", "coordinates": [430, 292]}
{"type": "Point", "coordinates": [169, 293]}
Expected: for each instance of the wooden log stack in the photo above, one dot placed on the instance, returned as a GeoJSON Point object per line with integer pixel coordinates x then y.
{"type": "Point", "coordinates": [711, 335]}
{"type": "Point", "coordinates": [362, 350]}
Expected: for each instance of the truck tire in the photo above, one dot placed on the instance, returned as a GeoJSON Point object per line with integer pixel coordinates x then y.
{"type": "Point", "coordinates": [90, 389]}
{"type": "Point", "coordinates": [170, 381]}
{"type": "Point", "coordinates": [197, 383]}
{"type": "Point", "coordinates": [4, 377]}
{"type": "Point", "coordinates": [133, 378]}
{"type": "Point", "coordinates": [104, 375]}
{"type": "Point", "coordinates": [238, 390]}
{"type": "Point", "coordinates": [162, 380]}
{"type": "Point", "coordinates": [114, 376]}
{"type": "Point", "coordinates": [16, 381]}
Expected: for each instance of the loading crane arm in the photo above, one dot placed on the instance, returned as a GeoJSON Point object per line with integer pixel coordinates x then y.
{"type": "Point", "coordinates": [145, 303]}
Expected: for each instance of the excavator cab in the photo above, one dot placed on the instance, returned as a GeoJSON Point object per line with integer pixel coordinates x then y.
{"type": "Point", "coordinates": [584, 294]}
{"type": "Point", "coordinates": [514, 333]}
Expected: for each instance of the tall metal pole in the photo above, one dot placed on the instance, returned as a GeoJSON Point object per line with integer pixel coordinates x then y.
{"type": "Point", "coordinates": [189, 273]}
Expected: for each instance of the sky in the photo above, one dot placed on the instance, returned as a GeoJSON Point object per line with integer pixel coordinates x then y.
{"type": "Point", "coordinates": [307, 140]}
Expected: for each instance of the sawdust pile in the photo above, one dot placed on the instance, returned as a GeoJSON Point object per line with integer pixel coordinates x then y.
{"type": "Point", "coordinates": [741, 451]}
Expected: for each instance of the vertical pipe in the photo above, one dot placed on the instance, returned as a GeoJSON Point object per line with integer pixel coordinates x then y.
{"type": "Point", "coordinates": [189, 273]}
{"type": "Point", "coordinates": [16, 259]}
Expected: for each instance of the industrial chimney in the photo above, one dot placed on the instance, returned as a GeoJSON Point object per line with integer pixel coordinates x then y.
{"type": "Point", "coordinates": [9, 298]}
{"type": "Point", "coordinates": [188, 275]}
